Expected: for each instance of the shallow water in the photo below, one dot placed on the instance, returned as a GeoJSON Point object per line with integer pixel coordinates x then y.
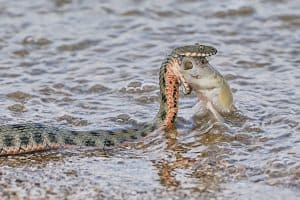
{"type": "Point", "coordinates": [84, 65]}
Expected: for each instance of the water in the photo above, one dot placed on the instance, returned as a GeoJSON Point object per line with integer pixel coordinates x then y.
{"type": "Point", "coordinates": [86, 65]}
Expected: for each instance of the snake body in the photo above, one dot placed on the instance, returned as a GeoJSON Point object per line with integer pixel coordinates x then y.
{"type": "Point", "coordinates": [32, 137]}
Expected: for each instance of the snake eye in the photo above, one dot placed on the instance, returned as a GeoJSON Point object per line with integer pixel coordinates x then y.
{"type": "Point", "coordinates": [188, 65]}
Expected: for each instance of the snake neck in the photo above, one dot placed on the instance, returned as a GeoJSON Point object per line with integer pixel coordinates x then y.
{"type": "Point", "coordinates": [169, 94]}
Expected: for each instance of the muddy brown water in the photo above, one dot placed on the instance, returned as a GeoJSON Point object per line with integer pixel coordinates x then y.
{"type": "Point", "coordinates": [86, 65]}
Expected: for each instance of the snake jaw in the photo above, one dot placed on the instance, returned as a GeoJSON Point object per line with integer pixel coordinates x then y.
{"type": "Point", "coordinates": [187, 89]}
{"type": "Point", "coordinates": [175, 67]}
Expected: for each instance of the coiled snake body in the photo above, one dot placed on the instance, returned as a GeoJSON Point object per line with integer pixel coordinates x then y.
{"type": "Point", "coordinates": [30, 138]}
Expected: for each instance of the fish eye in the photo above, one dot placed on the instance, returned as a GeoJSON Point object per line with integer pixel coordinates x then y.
{"type": "Point", "coordinates": [203, 60]}
{"type": "Point", "coordinates": [188, 65]}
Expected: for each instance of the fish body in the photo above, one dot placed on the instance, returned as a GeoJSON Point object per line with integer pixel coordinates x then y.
{"type": "Point", "coordinates": [210, 86]}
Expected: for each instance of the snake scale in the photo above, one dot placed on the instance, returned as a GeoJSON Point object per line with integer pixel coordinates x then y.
{"type": "Point", "coordinates": [32, 137]}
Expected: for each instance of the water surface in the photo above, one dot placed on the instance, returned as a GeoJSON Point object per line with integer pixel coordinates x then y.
{"type": "Point", "coordinates": [87, 65]}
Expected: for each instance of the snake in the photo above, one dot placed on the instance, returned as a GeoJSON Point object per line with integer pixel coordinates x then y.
{"type": "Point", "coordinates": [24, 138]}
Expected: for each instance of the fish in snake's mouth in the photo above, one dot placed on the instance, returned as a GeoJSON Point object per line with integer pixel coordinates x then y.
{"type": "Point", "coordinates": [185, 58]}
{"type": "Point", "coordinates": [197, 74]}
{"type": "Point", "coordinates": [192, 72]}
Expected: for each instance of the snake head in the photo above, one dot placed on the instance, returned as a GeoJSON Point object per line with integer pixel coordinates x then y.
{"type": "Point", "coordinates": [197, 50]}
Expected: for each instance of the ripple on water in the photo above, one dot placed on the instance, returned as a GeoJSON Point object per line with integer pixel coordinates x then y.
{"type": "Point", "coordinates": [95, 65]}
{"type": "Point", "coordinates": [75, 121]}
{"type": "Point", "coordinates": [78, 46]}
{"type": "Point", "coordinates": [138, 87]}
{"type": "Point", "coordinates": [290, 20]}
{"type": "Point", "coordinates": [19, 96]}
{"type": "Point", "coordinates": [244, 11]}
{"type": "Point", "coordinates": [30, 40]}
